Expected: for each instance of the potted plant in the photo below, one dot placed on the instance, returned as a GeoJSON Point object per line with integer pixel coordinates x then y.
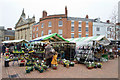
{"type": "Point", "coordinates": [31, 68]}
{"type": "Point", "coordinates": [72, 64]}
{"type": "Point", "coordinates": [36, 66]}
{"type": "Point", "coordinates": [89, 66]}
{"type": "Point", "coordinates": [54, 67]}
{"type": "Point", "coordinates": [27, 69]}
{"type": "Point", "coordinates": [40, 69]}
{"type": "Point", "coordinates": [67, 65]}
{"type": "Point", "coordinates": [44, 67]}
{"type": "Point", "coordinates": [95, 66]}
{"type": "Point", "coordinates": [99, 65]}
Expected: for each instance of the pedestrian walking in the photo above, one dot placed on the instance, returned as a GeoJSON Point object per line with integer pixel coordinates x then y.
{"type": "Point", "coordinates": [3, 48]}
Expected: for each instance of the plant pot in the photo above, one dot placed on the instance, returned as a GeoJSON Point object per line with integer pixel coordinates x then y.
{"type": "Point", "coordinates": [31, 69]}
{"type": "Point", "coordinates": [58, 62]}
{"type": "Point", "coordinates": [67, 66]}
{"type": "Point", "coordinates": [36, 68]}
{"type": "Point", "coordinates": [95, 66]}
{"type": "Point", "coordinates": [27, 71]}
{"type": "Point", "coordinates": [45, 67]}
{"type": "Point", "coordinates": [71, 65]}
{"type": "Point", "coordinates": [90, 67]}
{"type": "Point", "coordinates": [40, 70]}
{"type": "Point", "coordinates": [99, 66]}
{"type": "Point", "coordinates": [21, 64]}
{"type": "Point", "coordinates": [64, 65]}
{"type": "Point", "coordinates": [55, 68]}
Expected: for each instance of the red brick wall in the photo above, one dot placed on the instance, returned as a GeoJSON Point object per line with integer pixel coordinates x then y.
{"type": "Point", "coordinates": [66, 27]}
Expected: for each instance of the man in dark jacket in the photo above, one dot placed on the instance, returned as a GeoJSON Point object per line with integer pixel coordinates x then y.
{"type": "Point", "coordinates": [3, 49]}
{"type": "Point", "coordinates": [0, 50]}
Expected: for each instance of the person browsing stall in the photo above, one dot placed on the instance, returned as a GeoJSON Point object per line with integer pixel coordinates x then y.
{"type": "Point", "coordinates": [48, 54]}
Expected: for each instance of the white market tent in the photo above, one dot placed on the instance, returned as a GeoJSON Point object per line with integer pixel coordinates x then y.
{"type": "Point", "coordinates": [83, 41]}
{"type": "Point", "coordinates": [15, 41]}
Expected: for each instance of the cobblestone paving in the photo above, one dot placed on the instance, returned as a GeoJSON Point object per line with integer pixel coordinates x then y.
{"type": "Point", "coordinates": [109, 70]}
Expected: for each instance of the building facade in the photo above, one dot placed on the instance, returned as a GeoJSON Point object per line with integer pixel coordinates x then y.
{"type": "Point", "coordinates": [9, 34]}
{"type": "Point", "coordinates": [118, 24]}
{"type": "Point", "coordinates": [2, 33]}
{"type": "Point", "coordinates": [6, 34]}
{"type": "Point", "coordinates": [23, 28]}
{"type": "Point", "coordinates": [67, 27]}
{"type": "Point", "coordinates": [103, 28]}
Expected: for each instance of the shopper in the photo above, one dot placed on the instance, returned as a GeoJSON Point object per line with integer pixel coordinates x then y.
{"type": "Point", "coordinates": [48, 54]}
{"type": "Point", "coordinates": [0, 50]}
{"type": "Point", "coordinates": [3, 49]}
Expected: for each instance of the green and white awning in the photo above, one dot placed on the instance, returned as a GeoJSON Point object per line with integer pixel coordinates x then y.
{"type": "Point", "coordinates": [51, 37]}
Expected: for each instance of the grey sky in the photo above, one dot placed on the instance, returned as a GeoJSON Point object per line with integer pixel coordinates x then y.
{"type": "Point", "coordinates": [10, 10]}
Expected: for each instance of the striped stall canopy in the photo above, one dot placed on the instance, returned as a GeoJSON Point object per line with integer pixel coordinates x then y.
{"type": "Point", "coordinates": [51, 37]}
{"type": "Point", "coordinates": [88, 40]}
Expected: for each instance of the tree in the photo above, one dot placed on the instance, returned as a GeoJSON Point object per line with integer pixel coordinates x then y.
{"type": "Point", "coordinates": [114, 19]}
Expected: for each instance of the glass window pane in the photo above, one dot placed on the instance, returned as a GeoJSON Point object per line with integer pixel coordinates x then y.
{"type": "Point", "coordinates": [42, 33]}
{"type": "Point", "coordinates": [79, 29]}
{"type": "Point", "coordinates": [97, 29]}
{"type": "Point", "coordinates": [42, 25]}
{"type": "Point", "coordinates": [49, 31]}
{"type": "Point", "coordinates": [49, 24]}
{"type": "Point", "coordinates": [60, 23]}
{"type": "Point", "coordinates": [86, 29]}
{"type": "Point", "coordinates": [72, 23]}
{"type": "Point", "coordinates": [72, 29]}
{"type": "Point", "coordinates": [79, 35]}
{"type": "Point", "coordinates": [36, 34]}
{"type": "Point", "coordinates": [37, 28]}
{"type": "Point", "coordinates": [72, 35]}
{"type": "Point", "coordinates": [86, 35]}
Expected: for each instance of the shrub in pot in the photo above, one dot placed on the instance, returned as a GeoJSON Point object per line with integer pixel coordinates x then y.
{"type": "Point", "coordinates": [27, 69]}
{"type": "Point", "coordinates": [72, 64]}
{"type": "Point", "coordinates": [40, 69]}
{"type": "Point", "coordinates": [54, 67]}
{"type": "Point", "coordinates": [99, 65]}
{"type": "Point", "coordinates": [89, 66]}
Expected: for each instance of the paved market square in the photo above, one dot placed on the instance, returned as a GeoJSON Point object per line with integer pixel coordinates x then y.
{"type": "Point", "coordinates": [108, 70]}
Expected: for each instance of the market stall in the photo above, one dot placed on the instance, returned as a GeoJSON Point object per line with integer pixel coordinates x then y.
{"type": "Point", "coordinates": [84, 41]}
{"type": "Point", "coordinates": [91, 49]}
{"type": "Point", "coordinates": [66, 50]}
{"type": "Point", "coordinates": [40, 42]}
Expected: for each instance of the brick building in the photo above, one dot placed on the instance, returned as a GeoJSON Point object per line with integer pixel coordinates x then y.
{"type": "Point", "coordinates": [67, 27]}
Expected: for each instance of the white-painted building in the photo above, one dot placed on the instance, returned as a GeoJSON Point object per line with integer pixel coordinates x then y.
{"type": "Point", "coordinates": [119, 12]}
{"type": "Point", "coordinates": [103, 28]}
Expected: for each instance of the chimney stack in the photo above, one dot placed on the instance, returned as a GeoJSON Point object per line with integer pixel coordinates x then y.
{"type": "Point", "coordinates": [66, 11]}
{"type": "Point", "coordinates": [87, 16]}
{"type": "Point", "coordinates": [9, 28]}
{"type": "Point", "coordinates": [44, 13]}
{"type": "Point", "coordinates": [108, 21]}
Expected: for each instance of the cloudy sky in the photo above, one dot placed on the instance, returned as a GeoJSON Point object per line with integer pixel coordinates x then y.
{"type": "Point", "coordinates": [10, 10]}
